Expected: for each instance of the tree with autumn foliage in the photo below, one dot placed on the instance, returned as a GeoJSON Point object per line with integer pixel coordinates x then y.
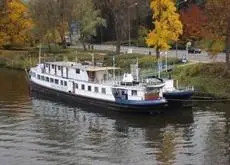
{"type": "Point", "coordinates": [15, 23]}
{"type": "Point", "coordinates": [218, 25]}
{"type": "Point", "coordinates": [168, 26]}
{"type": "Point", "coordinates": [193, 19]}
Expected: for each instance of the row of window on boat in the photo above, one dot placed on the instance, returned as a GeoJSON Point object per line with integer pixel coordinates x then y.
{"type": "Point", "coordinates": [64, 83]}
{"type": "Point", "coordinates": [59, 68]}
{"type": "Point", "coordinates": [51, 80]}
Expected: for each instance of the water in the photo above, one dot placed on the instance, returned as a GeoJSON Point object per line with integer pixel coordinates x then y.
{"type": "Point", "coordinates": [38, 131]}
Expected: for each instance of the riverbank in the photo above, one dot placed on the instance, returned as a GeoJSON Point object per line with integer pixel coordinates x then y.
{"type": "Point", "coordinates": [16, 59]}
{"type": "Point", "coordinates": [207, 78]}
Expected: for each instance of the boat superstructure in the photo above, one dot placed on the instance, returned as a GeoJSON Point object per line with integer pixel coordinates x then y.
{"type": "Point", "coordinates": [98, 83]}
{"type": "Point", "coordinates": [175, 95]}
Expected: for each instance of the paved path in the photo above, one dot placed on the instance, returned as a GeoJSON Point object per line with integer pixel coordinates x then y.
{"type": "Point", "coordinates": [203, 57]}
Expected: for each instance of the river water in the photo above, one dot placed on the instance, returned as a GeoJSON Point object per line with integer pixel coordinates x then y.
{"type": "Point", "coordinates": [35, 130]}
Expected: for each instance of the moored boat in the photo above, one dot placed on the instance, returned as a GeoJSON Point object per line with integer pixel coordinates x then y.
{"type": "Point", "coordinates": [96, 85]}
{"type": "Point", "coordinates": [175, 95]}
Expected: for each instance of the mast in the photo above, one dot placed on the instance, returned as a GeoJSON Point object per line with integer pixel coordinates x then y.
{"type": "Point", "coordinates": [92, 54]}
{"type": "Point", "coordinates": [93, 59]}
{"type": "Point", "coordinates": [166, 61]}
{"type": "Point", "coordinates": [137, 70]}
{"type": "Point", "coordinates": [39, 54]}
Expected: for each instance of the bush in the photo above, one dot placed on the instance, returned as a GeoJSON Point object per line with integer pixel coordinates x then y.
{"type": "Point", "coordinates": [14, 47]}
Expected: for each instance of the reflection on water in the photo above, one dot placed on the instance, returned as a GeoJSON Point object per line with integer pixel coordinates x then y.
{"type": "Point", "coordinates": [37, 130]}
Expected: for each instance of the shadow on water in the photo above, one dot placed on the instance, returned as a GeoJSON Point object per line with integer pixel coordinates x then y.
{"type": "Point", "coordinates": [13, 85]}
{"type": "Point", "coordinates": [173, 116]}
{"type": "Point", "coordinates": [14, 94]}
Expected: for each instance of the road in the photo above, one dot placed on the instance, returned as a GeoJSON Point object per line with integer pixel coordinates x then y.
{"type": "Point", "coordinates": [203, 57]}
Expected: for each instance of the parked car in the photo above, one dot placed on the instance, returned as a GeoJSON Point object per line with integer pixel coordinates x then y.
{"type": "Point", "coordinates": [194, 50]}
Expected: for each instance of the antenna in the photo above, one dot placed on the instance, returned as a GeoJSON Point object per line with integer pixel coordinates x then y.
{"type": "Point", "coordinates": [113, 67]}
{"type": "Point", "coordinates": [159, 68]}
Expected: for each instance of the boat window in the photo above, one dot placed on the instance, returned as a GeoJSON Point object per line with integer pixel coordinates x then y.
{"type": "Point", "coordinates": [103, 90]}
{"type": "Point", "coordinates": [134, 92]}
{"type": "Point", "coordinates": [78, 71]}
{"type": "Point", "coordinates": [56, 81]}
{"type": "Point", "coordinates": [51, 80]}
{"type": "Point", "coordinates": [96, 89]}
{"type": "Point", "coordinates": [47, 79]}
{"type": "Point", "coordinates": [42, 77]}
{"type": "Point", "coordinates": [89, 88]}
{"type": "Point", "coordinates": [47, 65]}
{"type": "Point", "coordinates": [82, 86]}
{"type": "Point", "coordinates": [61, 82]}
{"type": "Point", "coordinates": [76, 85]}
{"type": "Point", "coordinates": [38, 76]}
{"type": "Point", "coordinates": [33, 74]}
{"type": "Point", "coordinates": [52, 66]}
{"type": "Point", "coordinates": [59, 68]}
{"type": "Point", "coordinates": [65, 83]}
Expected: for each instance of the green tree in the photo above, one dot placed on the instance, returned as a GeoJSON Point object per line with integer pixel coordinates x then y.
{"type": "Point", "coordinates": [168, 26]}
{"type": "Point", "coordinates": [120, 14]}
{"type": "Point", "coordinates": [142, 33]}
{"type": "Point", "coordinates": [89, 19]}
{"type": "Point", "coordinates": [53, 18]}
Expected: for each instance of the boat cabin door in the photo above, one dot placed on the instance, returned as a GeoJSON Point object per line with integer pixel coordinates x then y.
{"type": "Point", "coordinates": [120, 94]}
{"type": "Point", "coordinates": [67, 72]}
{"type": "Point", "coordinates": [73, 87]}
{"type": "Point", "coordinates": [62, 71]}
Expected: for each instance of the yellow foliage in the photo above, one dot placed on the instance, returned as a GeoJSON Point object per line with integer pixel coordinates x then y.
{"type": "Point", "coordinates": [168, 26]}
{"type": "Point", "coordinates": [15, 23]}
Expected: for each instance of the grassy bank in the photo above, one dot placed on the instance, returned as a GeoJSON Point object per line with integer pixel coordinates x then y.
{"type": "Point", "coordinates": [20, 60]}
{"type": "Point", "coordinates": [26, 59]}
{"type": "Point", "coordinates": [208, 79]}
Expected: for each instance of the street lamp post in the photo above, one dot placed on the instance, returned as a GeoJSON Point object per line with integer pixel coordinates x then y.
{"type": "Point", "coordinates": [177, 7]}
{"type": "Point", "coordinates": [92, 54]}
{"type": "Point", "coordinates": [188, 44]}
{"type": "Point", "coordinates": [135, 4]}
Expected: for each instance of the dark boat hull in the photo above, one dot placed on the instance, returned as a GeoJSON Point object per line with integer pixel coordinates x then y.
{"type": "Point", "coordinates": [76, 99]}
{"type": "Point", "coordinates": [179, 98]}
